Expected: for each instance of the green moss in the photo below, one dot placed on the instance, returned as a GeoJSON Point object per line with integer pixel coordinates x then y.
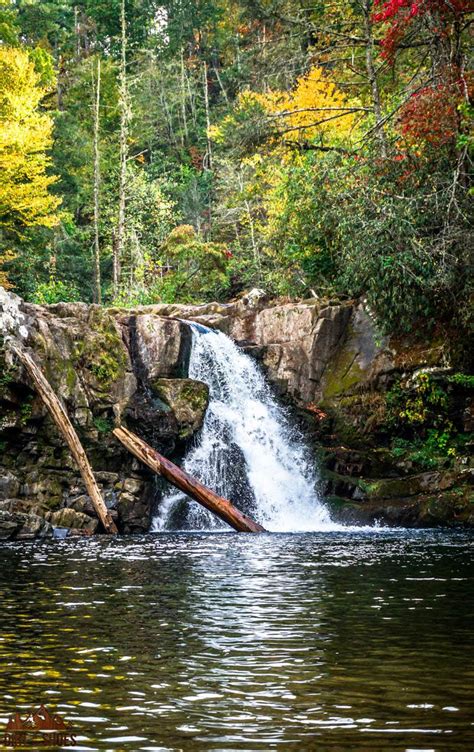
{"type": "Point", "coordinates": [342, 374]}
{"type": "Point", "coordinates": [196, 396]}
{"type": "Point", "coordinates": [462, 379]}
{"type": "Point", "coordinates": [101, 351]}
{"type": "Point", "coordinates": [7, 373]}
{"type": "Point", "coordinates": [26, 410]}
{"type": "Point", "coordinates": [71, 377]}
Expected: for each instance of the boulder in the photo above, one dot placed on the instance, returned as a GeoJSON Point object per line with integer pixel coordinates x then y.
{"type": "Point", "coordinates": [161, 346]}
{"type": "Point", "coordinates": [188, 400]}
{"type": "Point", "coordinates": [20, 526]}
{"type": "Point", "coordinates": [69, 518]}
{"type": "Point", "coordinates": [9, 485]}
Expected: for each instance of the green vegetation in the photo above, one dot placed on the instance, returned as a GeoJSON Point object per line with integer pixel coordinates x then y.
{"type": "Point", "coordinates": [101, 351]}
{"type": "Point", "coordinates": [103, 425]}
{"type": "Point", "coordinates": [26, 410]}
{"type": "Point", "coordinates": [187, 151]}
{"type": "Point", "coordinates": [423, 421]}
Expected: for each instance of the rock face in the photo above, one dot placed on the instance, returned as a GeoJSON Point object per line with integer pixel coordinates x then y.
{"type": "Point", "coordinates": [130, 366]}
{"type": "Point", "coordinates": [186, 399]}
{"type": "Point", "coordinates": [330, 360]}
{"type": "Point", "coordinates": [103, 367]}
{"type": "Point", "coordinates": [311, 351]}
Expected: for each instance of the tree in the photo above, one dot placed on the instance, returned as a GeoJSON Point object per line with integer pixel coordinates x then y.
{"type": "Point", "coordinates": [25, 140]}
{"type": "Point", "coordinates": [119, 241]}
{"type": "Point", "coordinates": [97, 288]}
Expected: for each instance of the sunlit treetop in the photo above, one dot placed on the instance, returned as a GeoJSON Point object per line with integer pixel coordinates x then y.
{"type": "Point", "coordinates": [314, 108]}
{"type": "Point", "coordinates": [25, 138]}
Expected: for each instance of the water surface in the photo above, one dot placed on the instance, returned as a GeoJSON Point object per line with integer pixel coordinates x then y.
{"type": "Point", "coordinates": [322, 641]}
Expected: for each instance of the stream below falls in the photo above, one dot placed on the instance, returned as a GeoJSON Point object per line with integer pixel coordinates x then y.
{"type": "Point", "coordinates": [357, 640]}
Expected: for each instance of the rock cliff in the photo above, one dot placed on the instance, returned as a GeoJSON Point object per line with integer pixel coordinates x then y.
{"type": "Point", "coordinates": [327, 359]}
{"type": "Point", "coordinates": [107, 369]}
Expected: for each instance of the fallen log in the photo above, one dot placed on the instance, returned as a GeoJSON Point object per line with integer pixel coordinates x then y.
{"type": "Point", "coordinates": [186, 483]}
{"type": "Point", "coordinates": [61, 418]}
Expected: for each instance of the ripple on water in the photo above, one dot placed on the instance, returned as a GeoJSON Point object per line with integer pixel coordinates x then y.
{"type": "Point", "coordinates": [352, 640]}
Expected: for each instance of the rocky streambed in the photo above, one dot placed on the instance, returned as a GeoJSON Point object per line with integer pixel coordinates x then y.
{"type": "Point", "coordinates": [130, 366]}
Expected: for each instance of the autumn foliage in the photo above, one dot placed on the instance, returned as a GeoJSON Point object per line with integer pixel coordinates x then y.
{"type": "Point", "coordinates": [25, 137]}
{"type": "Point", "coordinates": [431, 115]}
{"type": "Point", "coordinates": [315, 106]}
{"type": "Point", "coordinates": [401, 14]}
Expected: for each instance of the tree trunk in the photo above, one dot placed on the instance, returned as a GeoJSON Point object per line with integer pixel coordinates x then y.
{"type": "Point", "coordinates": [124, 118]}
{"type": "Point", "coordinates": [190, 486]}
{"type": "Point", "coordinates": [208, 117]}
{"type": "Point", "coordinates": [60, 417]}
{"type": "Point", "coordinates": [185, 136]}
{"type": "Point", "coordinates": [97, 290]}
{"type": "Point", "coordinates": [372, 76]}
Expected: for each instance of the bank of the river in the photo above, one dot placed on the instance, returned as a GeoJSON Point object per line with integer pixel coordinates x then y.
{"type": "Point", "coordinates": [337, 641]}
{"type": "Point", "coordinates": [391, 420]}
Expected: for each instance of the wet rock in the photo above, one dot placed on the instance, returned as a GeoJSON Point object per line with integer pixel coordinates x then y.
{"type": "Point", "coordinates": [82, 504]}
{"type": "Point", "coordinates": [387, 488]}
{"type": "Point", "coordinates": [9, 485]}
{"type": "Point", "coordinates": [9, 525]}
{"type": "Point", "coordinates": [20, 526]}
{"type": "Point", "coordinates": [134, 515]}
{"type": "Point", "coordinates": [452, 509]}
{"type": "Point", "coordinates": [69, 518]}
{"type": "Point", "coordinates": [132, 485]}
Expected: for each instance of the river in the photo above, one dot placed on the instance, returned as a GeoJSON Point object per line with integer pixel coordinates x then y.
{"type": "Point", "coordinates": [356, 640]}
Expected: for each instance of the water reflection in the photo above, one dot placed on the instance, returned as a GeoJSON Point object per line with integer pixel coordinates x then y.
{"type": "Point", "coordinates": [225, 642]}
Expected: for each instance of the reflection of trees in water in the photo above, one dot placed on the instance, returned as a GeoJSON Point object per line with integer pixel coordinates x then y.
{"type": "Point", "coordinates": [258, 635]}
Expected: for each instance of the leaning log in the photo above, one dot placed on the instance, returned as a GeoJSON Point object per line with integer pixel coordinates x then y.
{"type": "Point", "coordinates": [61, 418]}
{"type": "Point", "coordinates": [222, 508]}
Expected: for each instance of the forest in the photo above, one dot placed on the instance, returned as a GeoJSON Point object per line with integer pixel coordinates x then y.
{"type": "Point", "coordinates": [183, 151]}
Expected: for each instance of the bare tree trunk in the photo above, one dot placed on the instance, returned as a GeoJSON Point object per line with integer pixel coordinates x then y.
{"type": "Point", "coordinates": [60, 417]}
{"type": "Point", "coordinates": [215, 68]}
{"type": "Point", "coordinates": [169, 117]}
{"type": "Point", "coordinates": [183, 100]}
{"type": "Point", "coordinates": [253, 239]}
{"type": "Point", "coordinates": [208, 117]}
{"type": "Point", "coordinates": [97, 290]}
{"type": "Point", "coordinates": [204, 496]}
{"type": "Point", "coordinates": [124, 119]}
{"type": "Point", "coordinates": [76, 32]}
{"type": "Point", "coordinates": [372, 76]}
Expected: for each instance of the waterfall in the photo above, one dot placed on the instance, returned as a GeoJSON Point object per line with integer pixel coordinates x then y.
{"type": "Point", "coordinates": [247, 450]}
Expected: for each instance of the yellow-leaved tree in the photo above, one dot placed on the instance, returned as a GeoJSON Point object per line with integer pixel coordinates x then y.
{"type": "Point", "coordinates": [25, 138]}
{"type": "Point", "coordinates": [314, 110]}
{"type": "Point", "coordinates": [313, 107]}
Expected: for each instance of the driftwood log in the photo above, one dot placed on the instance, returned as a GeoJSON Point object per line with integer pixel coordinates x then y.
{"type": "Point", "coordinates": [60, 417]}
{"type": "Point", "coordinates": [189, 485]}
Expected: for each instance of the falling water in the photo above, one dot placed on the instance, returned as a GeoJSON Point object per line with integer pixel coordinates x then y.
{"type": "Point", "coordinates": [247, 450]}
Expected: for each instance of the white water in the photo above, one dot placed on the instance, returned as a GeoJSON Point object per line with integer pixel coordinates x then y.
{"type": "Point", "coordinates": [247, 450]}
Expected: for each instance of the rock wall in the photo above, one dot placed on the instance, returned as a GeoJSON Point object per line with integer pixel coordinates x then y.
{"type": "Point", "coordinates": [107, 369]}
{"type": "Point", "coordinates": [115, 365]}
{"type": "Point", "coordinates": [330, 361]}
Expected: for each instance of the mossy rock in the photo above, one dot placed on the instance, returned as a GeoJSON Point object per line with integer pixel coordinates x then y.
{"type": "Point", "coordinates": [342, 375]}
{"type": "Point", "coordinates": [69, 518]}
{"type": "Point", "coordinates": [187, 398]}
{"type": "Point", "coordinates": [101, 352]}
